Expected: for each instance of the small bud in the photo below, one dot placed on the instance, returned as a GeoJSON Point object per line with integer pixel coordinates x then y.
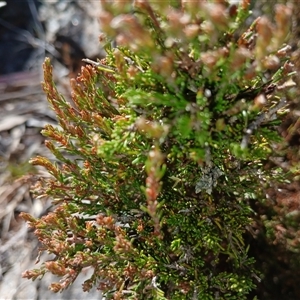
{"type": "Point", "coordinates": [259, 102]}
{"type": "Point", "coordinates": [265, 33]}
{"type": "Point", "coordinates": [283, 16]}
{"type": "Point", "coordinates": [211, 58]}
{"type": "Point", "coordinates": [163, 65]}
{"type": "Point", "coordinates": [271, 62]}
{"type": "Point", "coordinates": [119, 60]}
{"type": "Point", "coordinates": [217, 14]}
{"type": "Point", "coordinates": [239, 58]}
{"type": "Point", "coordinates": [191, 31]}
{"type": "Point", "coordinates": [245, 4]}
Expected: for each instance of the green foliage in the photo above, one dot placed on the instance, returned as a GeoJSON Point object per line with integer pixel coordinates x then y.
{"type": "Point", "coordinates": [162, 151]}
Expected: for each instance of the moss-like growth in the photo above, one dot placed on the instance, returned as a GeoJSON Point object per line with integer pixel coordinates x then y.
{"type": "Point", "coordinates": [162, 151]}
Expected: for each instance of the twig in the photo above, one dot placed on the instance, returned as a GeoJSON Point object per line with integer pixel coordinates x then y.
{"type": "Point", "coordinates": [260, 120]}
{"type": "Point", "coordinates": [99, 65]}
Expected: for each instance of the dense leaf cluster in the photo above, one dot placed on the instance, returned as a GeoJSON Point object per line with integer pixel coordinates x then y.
{"type": "Point", "coordinates": [162, 150]}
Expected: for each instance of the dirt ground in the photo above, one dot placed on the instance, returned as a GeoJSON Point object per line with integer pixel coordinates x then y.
{"type": "Point", "coordinates": [30, 30]}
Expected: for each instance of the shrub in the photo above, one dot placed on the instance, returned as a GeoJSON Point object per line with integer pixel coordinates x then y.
{"type": "Point", "coordinates": [277, 223]}
{"type": "Point", "coordinates": [162, 151]}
